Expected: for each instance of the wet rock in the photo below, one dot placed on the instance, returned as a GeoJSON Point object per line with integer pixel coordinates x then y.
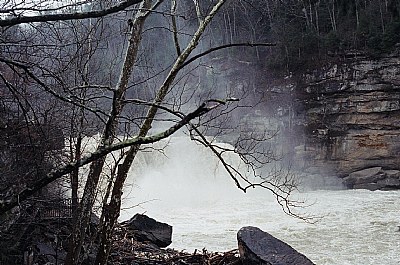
{"type": "Point", "coordinates": [368, 186]}
{"type": "Point", "coordinates": [389, 182]}
{"type": "Point", "coordinates": [365, 176]}
{"type": "Point", "coordinates": [145, 229]}
{"type": "Point", "coordinates": [393, 173]}
{"type": "Point", "coordinates": [373, 179]}
{"type": "Point", "coordinates": [259, 247]}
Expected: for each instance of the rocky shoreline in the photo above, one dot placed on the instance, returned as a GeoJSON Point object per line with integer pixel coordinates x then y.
{"type": "Point", "coordinates": [142, 240]}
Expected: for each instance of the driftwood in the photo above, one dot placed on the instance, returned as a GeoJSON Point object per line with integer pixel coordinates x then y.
{"type": "Point", "coordinates": [127, 250]}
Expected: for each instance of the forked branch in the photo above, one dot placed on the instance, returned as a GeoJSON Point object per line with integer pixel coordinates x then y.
{"type": "Point", "coordinates": [280, 183]}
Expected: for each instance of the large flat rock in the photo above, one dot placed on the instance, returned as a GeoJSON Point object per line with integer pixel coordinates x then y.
{"type": "Point", "coordinates": [259, 247]}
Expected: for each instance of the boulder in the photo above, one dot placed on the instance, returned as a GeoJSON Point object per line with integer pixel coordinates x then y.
{"type": "Point", "coordinates": [373, 179]}
{"type": "Point", "coordinates": [365, 176]}
{"type": "Point", "coordinates": [368, 186]}
{"type": "Point", "coordinates": [390, 183]}
{"type": "Point", "coordinates": [146, 229]}
{"type": "Point", "coordinates": [393, 174]}
{"type": "Point", "coordinates": [259, 247]}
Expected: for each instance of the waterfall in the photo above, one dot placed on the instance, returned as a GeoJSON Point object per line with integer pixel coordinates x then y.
{"type": "Point", "coordinates": [185, 186]}
{"type": "Point", "coordinates": [182, 173]}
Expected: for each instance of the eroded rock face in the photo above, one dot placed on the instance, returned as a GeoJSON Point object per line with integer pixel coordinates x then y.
{"type": "Point", "coordinates": [259, 247]}
{"type": "Point", "coordinates": [350, 120]}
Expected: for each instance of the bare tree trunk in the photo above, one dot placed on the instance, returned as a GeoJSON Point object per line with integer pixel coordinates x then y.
{"type": "Point", "coordinates": [382, 19]}
{"type": "Point", "coordinates": [357, 14]}
{"type": "Point", "coordinates": [104, 249]}
{"type": "Point", "coordinates": [82, 219]}
{"type": "Point", "coordinates": [175, 27]}
{"type": "Point", "coordinates": [305, 12]}
{"type": "Point", "coordinates": [311, 13]}
{"type": "Point", "coordinates": [78, 145]}
{"type": "Point", "coordinates": [316, 8]}
{"type": "Point", "coordinates": [75, 154]}
{"type": "Point", "coordinates": [112, 211]}
{"type": "Point", "coordinates": [74, 176]}
{"type": "Point", "coordinates": [332, 15]}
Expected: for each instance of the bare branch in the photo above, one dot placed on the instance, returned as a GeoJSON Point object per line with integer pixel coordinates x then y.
{"type": "Point", "coordinates": [198, 11]}
{"type": "Point", "coordinates": [58, 17]}
{"type": "Point", "coordinates": [192, 59]}
{"type": "Point", "coordinates": [26, 69]}
{"type": "Point", "coordinates": [7, 204]}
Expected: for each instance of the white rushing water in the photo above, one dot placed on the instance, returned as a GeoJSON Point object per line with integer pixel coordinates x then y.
{"type": "Point", "coordinates": [187, 190]}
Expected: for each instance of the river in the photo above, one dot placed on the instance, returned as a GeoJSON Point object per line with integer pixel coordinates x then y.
{"type": "Point", "coordinates": [187, 190]}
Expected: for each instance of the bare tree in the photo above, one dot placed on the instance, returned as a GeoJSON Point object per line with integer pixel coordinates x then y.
{"type": "Point", "coordinates": [70, 65]}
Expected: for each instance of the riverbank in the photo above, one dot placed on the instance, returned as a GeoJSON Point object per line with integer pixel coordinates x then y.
{"type": "Point", "coordinates": [126, 250]}
{"type": "Point", "coordinates": [45, 241]}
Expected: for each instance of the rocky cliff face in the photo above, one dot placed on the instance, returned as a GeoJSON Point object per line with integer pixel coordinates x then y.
{"type": "Point", "coordinates": [350, 116]}
{"type": "Point", "coordinates": [334, 120]}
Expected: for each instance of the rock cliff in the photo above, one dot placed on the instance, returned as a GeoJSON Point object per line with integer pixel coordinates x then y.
{"type": "Point", "coordinates": [340, 117]}
{"type": "Point", "coordinates": [350, 117]}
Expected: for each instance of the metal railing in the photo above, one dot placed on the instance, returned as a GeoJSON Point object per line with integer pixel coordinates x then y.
{"type": "Point", "coordinates": [53, 209]}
